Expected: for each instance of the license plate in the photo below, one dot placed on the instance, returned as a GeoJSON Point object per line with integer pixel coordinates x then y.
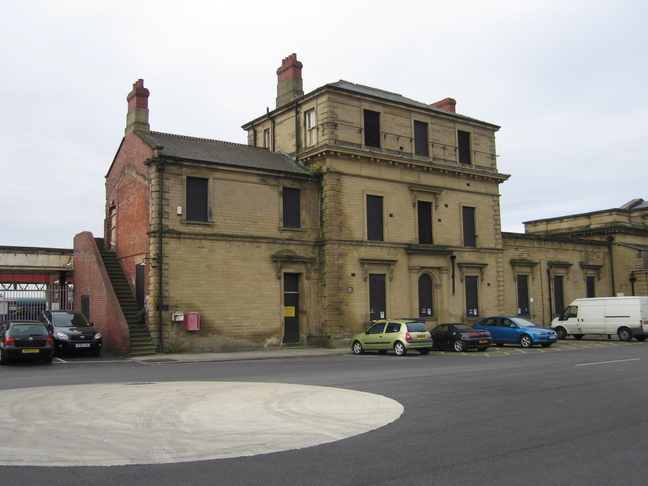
{"type": "Point", "coordinates": [483, 341]}
{"type": "Point", "coordinates": [552, 337]}
{"type": "Point", "coordinates": [83, 345]}
{"type": "Point", "coordinates": [30, 351]}
{"type": "Point", "coordinates": [422, 336]}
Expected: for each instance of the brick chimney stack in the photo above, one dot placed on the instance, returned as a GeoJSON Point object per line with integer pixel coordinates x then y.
{"type": "Point", "coordinates": [448, 104]}
{"type": "Point", "coordinates": [137, 118]}
{"type": "Point", "coordinates": [289, 84]}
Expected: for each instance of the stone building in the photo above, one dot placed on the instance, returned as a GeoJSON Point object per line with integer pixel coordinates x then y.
{"type": "Point", "coordinates": [595, 254]}
{"type": "Point", "coordinates": [348, 204]}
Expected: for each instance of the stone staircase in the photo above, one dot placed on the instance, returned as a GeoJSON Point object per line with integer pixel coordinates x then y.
{"type": "Point", "coordinates": [140, 338]}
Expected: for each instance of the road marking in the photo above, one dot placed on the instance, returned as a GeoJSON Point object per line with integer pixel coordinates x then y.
{"type": "Point", "coordinates": [167, 422]}
{"type": "Point", "coordinates": [608, 362]}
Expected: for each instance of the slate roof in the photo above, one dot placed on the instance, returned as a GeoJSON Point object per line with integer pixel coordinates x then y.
{"type": "Point", "coordinates": [396, 98]}
{"type": "Point", "coordinates": [221, 153]}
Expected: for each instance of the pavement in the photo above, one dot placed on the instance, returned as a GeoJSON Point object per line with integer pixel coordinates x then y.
{"type": "Point", "coordinates": [282, 353]}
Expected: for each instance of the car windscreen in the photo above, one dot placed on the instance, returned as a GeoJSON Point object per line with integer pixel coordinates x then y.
{"type": "Point", "coordinates": [416, 327]}
{"type": "Point", "coordinates": [27, 330]}
{"type": "Point", "coordinates": [463, 327]}
{"type": "Point", "coordinates": [70, 320]}
{"type": "Point", "coordinates": [523, 322]}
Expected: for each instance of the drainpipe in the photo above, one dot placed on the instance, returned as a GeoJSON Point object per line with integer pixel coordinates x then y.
{"type": "Point", "coordinates": [272, 130]}
{"type": "Point", "coordinates": [297, 127]}
{"type": "Point", "coordinates": [452, 260]}
{"type": "Point", "coordinates": [551, 312]}
{"type": "Point", "coordinates": [160, 300]}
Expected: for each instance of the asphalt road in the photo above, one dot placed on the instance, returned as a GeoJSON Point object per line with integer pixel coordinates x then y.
{"type": "Point", "coordinates": [572, 414]}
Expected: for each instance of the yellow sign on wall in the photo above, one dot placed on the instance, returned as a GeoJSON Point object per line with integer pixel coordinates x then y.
{"type": "Point", "coordinates": [289, 311]}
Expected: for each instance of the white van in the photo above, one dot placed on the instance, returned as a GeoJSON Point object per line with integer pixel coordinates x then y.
{"type": "Point", "coordinates": [627, 317]}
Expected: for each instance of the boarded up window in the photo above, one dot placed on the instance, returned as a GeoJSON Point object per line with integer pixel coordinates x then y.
{"type": "Point", "coordinates": [375, 218]}
{"type": "Point", "coordinates": [371, 128]}
{"type": "Point", "coordinates": [197, 199]}
{"type": "Point", "coordinates": [463, 140]}
{"type": "Point", "coordinates": [425, 222]}
{"type": "Point", "coordinates": [469, 233]}
{"type": "Point", "coordinates": [421, 139]}
{"type": "Point", "coordinates": [291, 208]}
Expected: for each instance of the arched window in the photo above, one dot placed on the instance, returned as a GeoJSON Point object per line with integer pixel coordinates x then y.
{"type": "Point", "coordinates": [426, 302]}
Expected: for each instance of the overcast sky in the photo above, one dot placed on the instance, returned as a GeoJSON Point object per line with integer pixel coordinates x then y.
{"type": "Point", "coordinates": [567, 81]}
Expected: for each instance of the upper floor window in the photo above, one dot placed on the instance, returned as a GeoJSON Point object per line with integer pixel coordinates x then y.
{"type": "Point", "coordinates": [424, 222]}
{"type": "Point", "coordinates": [310, 128]}
{"type": "Point", "coordinates": [463, 142]}
{"type": "Point", "coordinates": [375, 218]}
{"type": "Point", "coordinates": [469, 232]}
{"type": "Point", "coordinates": [371, 128]}
{"type": "Point", "coordinates": [291, 207]}
{"type": "Point", "coordinates": [266, 138]}
{"type": "Point", "coordinates": [421, 139]}
{"type": "Point", "coordinates": [197, 204]}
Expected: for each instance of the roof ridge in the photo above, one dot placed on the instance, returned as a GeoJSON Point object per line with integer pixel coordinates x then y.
{"type": "Point", "coordinates": [371, 88]}
{"type": "Point", "coordinates": [188, 137]}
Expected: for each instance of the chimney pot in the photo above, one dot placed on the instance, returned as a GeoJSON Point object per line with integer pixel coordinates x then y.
{"type": "Point", "coordinates": [447, 104]}
{"type": "Point", "coordinates": [289, 80]}
{"type": "Point", "coordinates": [137, 118]}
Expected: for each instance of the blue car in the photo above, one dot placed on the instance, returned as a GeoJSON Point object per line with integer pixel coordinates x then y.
{"type": "Point", "coordinates": [516, 330]}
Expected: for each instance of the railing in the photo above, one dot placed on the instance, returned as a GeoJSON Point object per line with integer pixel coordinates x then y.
{"type": "Point", "coordinates": [25, 302]}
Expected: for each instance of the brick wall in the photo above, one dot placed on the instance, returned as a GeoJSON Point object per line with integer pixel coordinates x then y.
{"type": "Point", "coordinates": [90, 278]}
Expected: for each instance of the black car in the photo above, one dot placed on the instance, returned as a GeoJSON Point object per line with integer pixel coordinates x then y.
{"type": "Point", "coordinates": [25, 340]}
{"type": "Point", "coordinates": [72, 332]}
{"type": "Point", "coordinates": [460, 337]}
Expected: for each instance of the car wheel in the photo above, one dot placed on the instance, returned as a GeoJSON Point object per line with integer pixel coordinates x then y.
{"type": "Point", "coordinates": [47, 360]}
{"type": "Point", "coordinates": [400, 349]}
{"type": "Point", "coordinates": [546, 345]}
{"type": "Point", "coordinates": [482, 348]}
{"type": "Point", "coordinates": [577, 336]}
{"type": "Point", "coordinates": [95, 352]}
{"type": "Point", "coordinates": [561, 332]}
{"type": "Point", "coordinates": [624, 334]}
{"type": "Point", "coordinates": [357, 348]}
{"type": "Point", "coordinates": [526, 341]}
{"type": "Point", "coordinates": [459, 346]}
{"type": "Point", "coordinates": [3, 358]}
{"type": "Point", "coordinates": [424, 351]}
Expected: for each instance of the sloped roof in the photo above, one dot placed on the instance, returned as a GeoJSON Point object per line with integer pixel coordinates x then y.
{"type": "Point", "coordinates": [394, 97]}
{"type": "Point", "coordinates": [220, 153]}
{"type": "Point", "coordinates": [379, 94]}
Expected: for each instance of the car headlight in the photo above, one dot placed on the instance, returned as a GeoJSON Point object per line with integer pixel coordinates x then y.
{"type": "Point", "coordinates": [98, 335]}
{"type": "Point", "coordinates": [62, 336]}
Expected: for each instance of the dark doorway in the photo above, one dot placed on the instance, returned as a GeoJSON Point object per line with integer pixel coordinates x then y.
{"type": "Point", "coordinates": [377, 307]}
{"type": "Point", "coordinates": [85, 306]}
{"type": "Point", "coordinates": [139, 285]}
{"type": "Point", "coordinates": [559, 294]}
{"type": "Point", "coordinates": [523, 294]}
{"type": "Point", "coordinates": [426, 308]}
{"type": "Point", "coordinates": [291, 308]}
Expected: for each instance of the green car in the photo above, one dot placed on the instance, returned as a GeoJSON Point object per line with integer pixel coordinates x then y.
{"type": "Point", "coordinates": [401, 335]}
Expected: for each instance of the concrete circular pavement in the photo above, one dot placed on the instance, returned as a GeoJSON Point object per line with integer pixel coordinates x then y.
{"type": "Point", "coordinates": [166, 422]}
